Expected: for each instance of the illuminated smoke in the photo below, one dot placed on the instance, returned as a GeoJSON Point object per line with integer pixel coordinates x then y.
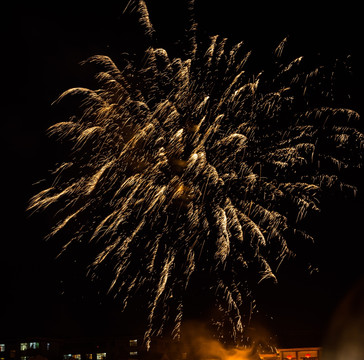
{"type": "Point", "coordinates": [188, 165]}
{"type": "Point", "coordinates": [344, 339]}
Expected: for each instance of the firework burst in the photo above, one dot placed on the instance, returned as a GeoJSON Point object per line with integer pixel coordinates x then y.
{"type": "Point", "coordinates": [194, 165]}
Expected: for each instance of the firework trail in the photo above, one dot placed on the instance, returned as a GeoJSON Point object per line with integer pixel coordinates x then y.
{"type": "Point", "coordinates": [192, 165]}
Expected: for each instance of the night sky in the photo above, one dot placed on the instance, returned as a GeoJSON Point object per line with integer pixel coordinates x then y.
{"type": "Point", "coordinates": [42, 47]}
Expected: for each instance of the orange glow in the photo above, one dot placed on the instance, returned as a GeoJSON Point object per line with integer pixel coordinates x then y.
{"type": "Point", "coordinates": [199, 344]}
{"type": "Point", "coordinates": [212, 349]}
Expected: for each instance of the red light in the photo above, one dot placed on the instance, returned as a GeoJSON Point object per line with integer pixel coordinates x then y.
{"type": "Point", "coordinates": [289, 357]}
{"type": "Point", "coordinates": [308, 355]}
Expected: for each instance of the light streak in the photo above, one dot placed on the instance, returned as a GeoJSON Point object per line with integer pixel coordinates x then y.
{"type": "Point", "coordinates": [186, 164]}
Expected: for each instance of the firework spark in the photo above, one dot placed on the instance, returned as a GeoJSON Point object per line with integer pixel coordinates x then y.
{"type": "Point", "coordinates": [193, 164]}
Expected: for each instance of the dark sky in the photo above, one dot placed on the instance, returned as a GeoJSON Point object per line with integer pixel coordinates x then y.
{"type": "Point", "coordinates": [43, 45]}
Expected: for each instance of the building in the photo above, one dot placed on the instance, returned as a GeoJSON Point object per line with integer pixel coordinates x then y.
{"type": "Point", "coordinates": [303, 353]}
{"type": "Point", "coordinates": [311, 353]}
{"type": "Point", "coordinates": [26, 348]}
{"type": "Point", "coordinates": [121, 348]}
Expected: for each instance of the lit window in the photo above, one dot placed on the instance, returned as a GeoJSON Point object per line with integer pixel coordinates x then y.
{"type": "Point", "coordinates": [101, 356]}
{"type": "Point", "coordinates": [89, 356]}
{"type": "Point", "coordinates": [23, 346]}
{"type": "Point", "coordinates": [24, 357]}
{"type": "Point", "coordinates": [76, 356]}
{"type": "Point", "coordinates": [307, 354]}
{"type": "Point", "coordinates": [133, 353]}
{"type": "Point", "coordinates": [2, 347]}
{"type": "Point", "coordinates": [133, 343]}
{"type": "Point", "coordinates": [67, 356]}
{"type": "Point", "coordinates": [34, 345]}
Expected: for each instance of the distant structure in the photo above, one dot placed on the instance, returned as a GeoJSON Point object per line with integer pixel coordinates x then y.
{"type": "Point", "coordinates": [120, 348]}
{"type": "Point", "coordinates": [29, 348]}
{"type": "Point", "coordinates": [302, 353]}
